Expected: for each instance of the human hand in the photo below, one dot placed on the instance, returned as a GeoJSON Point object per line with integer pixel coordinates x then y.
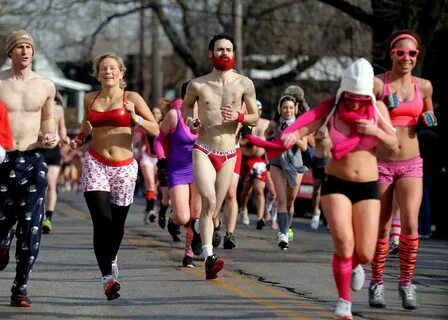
{"type": "Point", "coordinates": [366, 127]}
{"type": "Point", "coordinates": [78, 141]}
{"type": "Point", "coordinates": [428, 119]}
{"type": "Point", "coordinates": [194, 125]}
{"type": "Point", "coordinates": [289, 139]}
{"type": "Point", "coordinates": [228, 113]}
{"type": "Point", "coordinates": [130, 107]}
{"type": "Point", "coordinates": [50, 140]}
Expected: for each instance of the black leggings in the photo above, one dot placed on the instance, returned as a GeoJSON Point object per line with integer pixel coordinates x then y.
{"type": "Point", "coordinates": [108, 227]}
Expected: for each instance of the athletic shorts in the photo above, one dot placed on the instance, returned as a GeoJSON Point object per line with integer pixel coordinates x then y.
{"type": "Point", "coordinates": [391, 171]}
{"type": "Point", "coordinates": [116, 177]}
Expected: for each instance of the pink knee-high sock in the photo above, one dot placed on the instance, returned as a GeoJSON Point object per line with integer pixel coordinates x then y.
{"type": "Point", "coordinates": [342, 273]}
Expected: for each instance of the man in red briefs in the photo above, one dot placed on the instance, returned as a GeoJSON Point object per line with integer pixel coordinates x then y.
{"type": "Point", "coordinates": [220, 95]}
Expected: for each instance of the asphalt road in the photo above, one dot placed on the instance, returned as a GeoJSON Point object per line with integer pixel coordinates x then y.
{"type": "Point", "coordinates": [259, 281]}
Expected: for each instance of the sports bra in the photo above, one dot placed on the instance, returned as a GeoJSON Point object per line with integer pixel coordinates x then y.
{"type": "Point", "coordinates": [407, 112]}
{"type": "Point", "coordinates": [118, 117]}
{"type": "Point", "coordinates": [366, 142]}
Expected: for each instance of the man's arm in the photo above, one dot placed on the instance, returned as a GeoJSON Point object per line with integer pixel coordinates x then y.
{"type": "Point", "coordinates": [251, 117]}
{"type": "Point", "coordinates": [48, 124]}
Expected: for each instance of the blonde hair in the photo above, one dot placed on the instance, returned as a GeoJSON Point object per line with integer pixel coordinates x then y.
{"type": "Point", "coordinates": [98, 59]}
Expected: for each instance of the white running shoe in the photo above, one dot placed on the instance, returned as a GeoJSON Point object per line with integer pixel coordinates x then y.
{"type": "Point", "coordinates": [358, 278]}
{"type": "Point", "coordinates": [245, 218]}
{"type": "Point", "coordinates": [283, 241]}
{"type": "Point", "coordinates": [315, 220]}
{"type": "Point", "coordinates": [343, 309]}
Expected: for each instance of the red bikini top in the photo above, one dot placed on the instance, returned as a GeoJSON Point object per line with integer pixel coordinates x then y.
{"type": "Point", "coordinates": [118, 117]}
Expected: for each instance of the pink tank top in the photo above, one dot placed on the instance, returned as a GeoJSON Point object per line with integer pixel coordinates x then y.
{"type": "Point", "coordinates": [407, 112]}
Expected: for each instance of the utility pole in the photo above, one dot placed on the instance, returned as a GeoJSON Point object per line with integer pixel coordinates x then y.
{"type": "Point", "coordinates": [238, 32]}
{"type": "Point", "coordinates": [156, 62]}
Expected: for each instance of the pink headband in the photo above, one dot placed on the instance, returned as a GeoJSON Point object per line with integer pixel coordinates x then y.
{"type": "Point", "coordinates": [401, 37]}
{"type": "Point", "coordinates": [176, 104]}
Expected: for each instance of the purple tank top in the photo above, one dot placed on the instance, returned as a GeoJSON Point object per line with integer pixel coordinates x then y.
{"type": "Point", "coordinates": [180, 157]}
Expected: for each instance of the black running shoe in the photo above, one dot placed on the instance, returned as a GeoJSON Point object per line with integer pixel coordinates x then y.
{"type": "Point", "coordinates": [229, 241]}
{"type": "Point", "coordinates": [4, 258]}
{"type": "Point", "coordinates": [216, 240]}
{"type": "Point", "coordinates": [174, 230]}
{"type": "Point", "coordinates": [260, 224]}
{"type": "Point", "coordinates": [188, 262]}
{"type": "Point", "coordinates": [196, 243]}
{"type": "Point", "coordinates": [213, 265]}
{"type": "Point", "coordinates": [162, 219]}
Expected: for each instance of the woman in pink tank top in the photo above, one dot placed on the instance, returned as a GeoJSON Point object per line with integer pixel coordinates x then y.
{"type": "Point", "coordinates": [409, 100]}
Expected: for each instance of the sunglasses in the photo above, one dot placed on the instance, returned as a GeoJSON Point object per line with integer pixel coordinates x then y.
{"type": "Point", "coordinates": [402, 52]}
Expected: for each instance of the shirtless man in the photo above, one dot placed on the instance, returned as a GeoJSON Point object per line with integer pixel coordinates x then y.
{"type": "Point", "coordinates": [29, 100]}
{"type": "Point", "coordinates": [219, 95]}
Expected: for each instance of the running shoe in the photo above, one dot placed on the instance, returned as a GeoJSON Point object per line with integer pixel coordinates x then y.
{"type": "Point", "coordinates": [315, 220]}
{"type": "Point", "coordinates": [174, 230]}
{"type": "Point", "coordinates": [111, 287]}
{"type": "Point", "coordinates": [20, 300]}
{"type": "Point", "coordinates": [196, 243]}
{"type": "Point", "coordinates": [4, 258]}
{"type": "Point", "coordinates": [408, 296]}
{"type": "Point", "coordinates": [393, 245]}
{"type": "Point", "coordinates": [283, 241]}
{"type": "Point", "coordinates": [115, 268]}
{"type": "Point", "coordinates": [46, 226]}
{"type": "Point", "coordinates": [229, 241]}
{"type": "Point", "coordinates": [162, 219]}
{"type": "Point", "coordinates": [358, 278]}
{"type": "Point", "coordinates": [343, 310]}
{"type": "Point", "coordinates": [260, 223]}
{"type": "Point", "coordinates": [145, 217]}
{"type": "Point", "coordinates": [376, 296]}
{"type": "Point", "coordinates": [152, 216]}
{"type": "Point", "coordinates": [188, 262]}
{"type": "Point", "coordinates": [216, 240]}
{"type": "Point", "coordinates": [213, 265]}
{"type": "Point", "coordinates": [290, 234]}
{"type": "Point", "coordinates": [245, 218]}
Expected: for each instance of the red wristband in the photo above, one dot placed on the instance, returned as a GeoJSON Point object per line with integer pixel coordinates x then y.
{"type": "Point", "coordinates": [240, 117]}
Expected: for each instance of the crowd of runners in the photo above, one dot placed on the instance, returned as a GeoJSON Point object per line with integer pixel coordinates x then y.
{"type": "Point", "coordinates": [203, 159]}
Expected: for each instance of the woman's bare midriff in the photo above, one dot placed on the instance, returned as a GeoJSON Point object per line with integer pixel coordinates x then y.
{"type": "Point", "coordinates": [113, 143]}
{"type": "Point", "coordinates": [407, 146]}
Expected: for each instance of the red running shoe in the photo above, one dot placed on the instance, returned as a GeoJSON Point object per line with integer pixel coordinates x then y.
{"type": "Point", "coordinates": [213, 265]}
{"type": "Point", "coordinates": [111, 287]}
{"type": "Point", "coordinates": [20, 300]}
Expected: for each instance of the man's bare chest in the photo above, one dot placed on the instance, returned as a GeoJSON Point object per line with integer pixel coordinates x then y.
{"type": "Point", "coordinates": [20, 96]}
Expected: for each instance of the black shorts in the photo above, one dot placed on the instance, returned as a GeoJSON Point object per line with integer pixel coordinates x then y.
{"type": "Point", "coordinates": [318, 167]}
{"type": "Point", "coordinates": [355, 191]}
{"type": "Point", "coordinates": [52, 156]}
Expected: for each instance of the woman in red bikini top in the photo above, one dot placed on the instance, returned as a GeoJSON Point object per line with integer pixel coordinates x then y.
{"type": "Point", "coordinates": [109, 170]}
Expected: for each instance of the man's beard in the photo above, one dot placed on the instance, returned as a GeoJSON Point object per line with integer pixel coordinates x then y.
{"type": "Point", "coordinates": [222, 64]}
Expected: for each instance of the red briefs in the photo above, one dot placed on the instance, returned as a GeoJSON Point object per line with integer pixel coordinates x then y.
{"type": "Point", "coordinates": [217, 158]}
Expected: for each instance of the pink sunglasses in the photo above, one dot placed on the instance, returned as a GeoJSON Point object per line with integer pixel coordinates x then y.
{"type": "Point", "coordinates": [402, 52]}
